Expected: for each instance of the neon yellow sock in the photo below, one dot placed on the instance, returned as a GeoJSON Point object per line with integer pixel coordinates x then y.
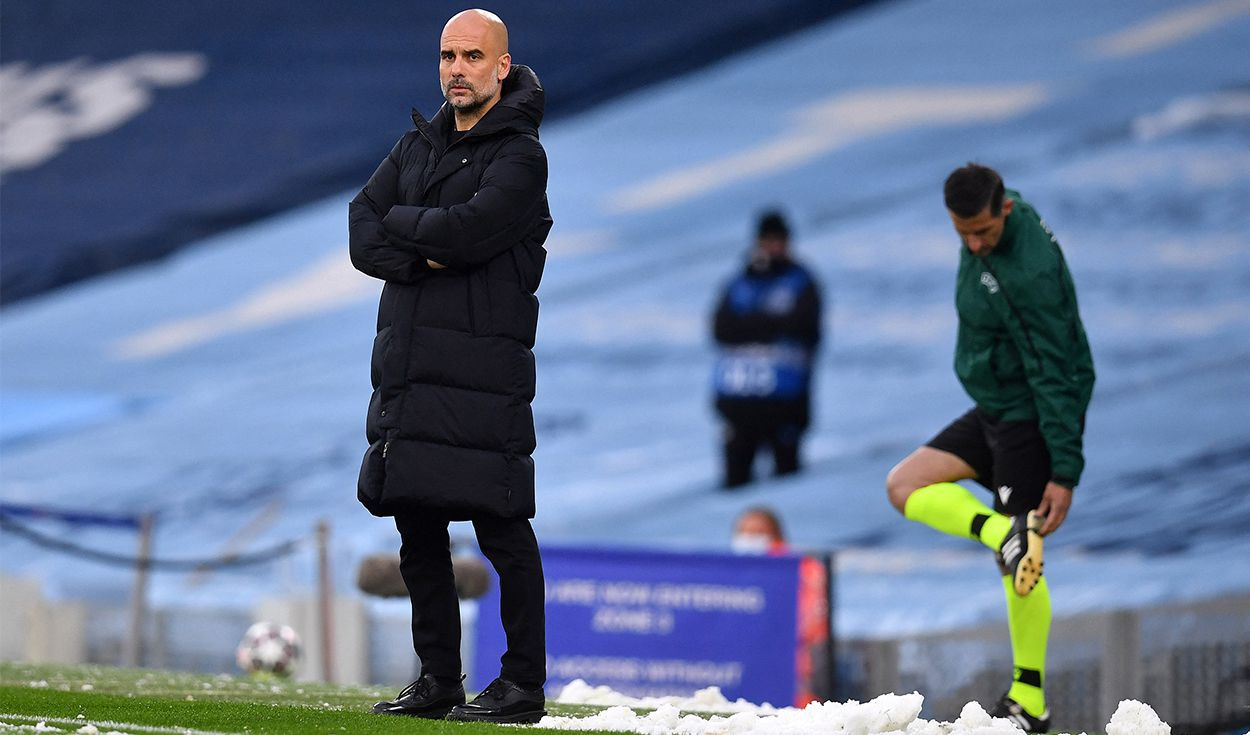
{"type": "Point", "coordinates": [1029, 621]}
{"type": "Point", "coordinates": [950, 508]}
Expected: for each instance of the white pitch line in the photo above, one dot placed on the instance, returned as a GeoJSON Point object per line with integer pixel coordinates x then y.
{"type": "Point", "coordinates": [112, 725]}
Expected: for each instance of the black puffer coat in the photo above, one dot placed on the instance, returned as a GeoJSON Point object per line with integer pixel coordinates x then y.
{"type": "Point", "coordinates": [449, 426]}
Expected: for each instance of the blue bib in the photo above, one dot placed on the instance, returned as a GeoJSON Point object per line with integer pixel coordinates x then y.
{"type": "Point", "coordinates": [776, 371]}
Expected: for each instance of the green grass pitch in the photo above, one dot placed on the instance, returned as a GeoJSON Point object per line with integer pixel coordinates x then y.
{"type": "Point", "coordinates": [143, 702]}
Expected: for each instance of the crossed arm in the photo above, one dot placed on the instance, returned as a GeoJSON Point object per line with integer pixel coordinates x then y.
{"type": "Point", "coordinates": [373, 251]}
{"type": "Point", "coordinates": [398, 242]}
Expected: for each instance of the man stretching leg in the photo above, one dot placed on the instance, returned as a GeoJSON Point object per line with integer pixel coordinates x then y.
{"type": "Point", "coordinates": [1022, 356]}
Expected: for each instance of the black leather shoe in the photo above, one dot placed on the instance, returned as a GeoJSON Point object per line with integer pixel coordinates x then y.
{"type": "Point", "coordinates": [425, 698]}
{"type": "Point", "coordinates": [505, 702]}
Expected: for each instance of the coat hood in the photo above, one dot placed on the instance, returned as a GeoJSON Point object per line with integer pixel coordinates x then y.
{"type": "Point", "coordinates": [520, 108]}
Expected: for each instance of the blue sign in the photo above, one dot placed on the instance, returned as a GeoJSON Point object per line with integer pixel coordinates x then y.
{"type": "Point", "coordinates": [649, 623]}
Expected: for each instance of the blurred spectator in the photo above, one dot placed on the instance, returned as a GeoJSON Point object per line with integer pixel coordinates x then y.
{"type": "Point", "coordinates": [757, 530]}
{"type": "Point", "coordinates": [767, 326]}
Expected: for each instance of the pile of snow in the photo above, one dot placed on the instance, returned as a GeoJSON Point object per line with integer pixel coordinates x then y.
{"type": "Point", "coordinates": [704, 700]}
{"type": "Point", "coordinates": [1136, 718]}
{"type": "Point", "coordinates": [888, 713]}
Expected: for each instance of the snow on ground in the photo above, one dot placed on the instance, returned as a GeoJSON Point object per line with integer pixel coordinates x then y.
{"type": "Point", "coordinates": [705, 700]}
{"type": "Point", "coordinates": [888, 713]}
{"type": "Point", "coordinates": [64, 725]}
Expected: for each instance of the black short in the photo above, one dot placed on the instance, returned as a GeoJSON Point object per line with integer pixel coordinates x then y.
{"type": "Point", "coordinates": [1009, 457]}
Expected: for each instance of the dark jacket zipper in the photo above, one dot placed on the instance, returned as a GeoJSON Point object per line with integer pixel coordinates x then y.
{"type": "Point", "coordinates": [468, 297]}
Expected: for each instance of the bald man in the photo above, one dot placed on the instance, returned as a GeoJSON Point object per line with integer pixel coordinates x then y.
{"type": "Point", "coordinates": [454, 222]}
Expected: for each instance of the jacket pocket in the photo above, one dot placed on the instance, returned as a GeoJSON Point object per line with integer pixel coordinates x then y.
{"type": "Point", "coordinates": [1005, 364]}
{"type": "Point", "coordinates": [372, 479]}
{"type": "Point", "coordinates": [528, 259]}
{"type": "Point", "coordinates": [377, 362]}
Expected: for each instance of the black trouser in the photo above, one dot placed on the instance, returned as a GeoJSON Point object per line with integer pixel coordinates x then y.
{"type": "Point", "coordinates": [425, 563]}
{"type": "Point", "coordinates": [743, 440]}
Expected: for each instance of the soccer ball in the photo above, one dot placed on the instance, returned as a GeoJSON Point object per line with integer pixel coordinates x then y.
{"type": "Point", "coordinates": [268, 648]}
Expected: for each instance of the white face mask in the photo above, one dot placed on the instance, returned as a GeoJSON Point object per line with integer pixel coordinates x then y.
{"type": "Point", "coordinates": [750, 543]}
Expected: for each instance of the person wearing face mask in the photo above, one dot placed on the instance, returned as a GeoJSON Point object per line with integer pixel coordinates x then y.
{"type": "Point", "coordinates": [767, 329]}
{"type": "Point", "coordinates": [757, 531]}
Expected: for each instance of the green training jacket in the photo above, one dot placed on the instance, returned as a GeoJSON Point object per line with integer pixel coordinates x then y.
{"type": "Point", "coordinates": [1022, 353]}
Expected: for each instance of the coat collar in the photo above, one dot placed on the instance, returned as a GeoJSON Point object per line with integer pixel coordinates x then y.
{"type": "Point", "coordinates": [519, 110]}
